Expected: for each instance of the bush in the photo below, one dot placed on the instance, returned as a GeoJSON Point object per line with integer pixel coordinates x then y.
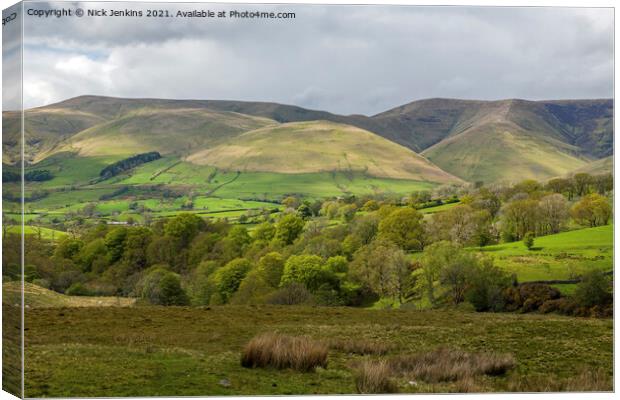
{"type": "Point", "coordinates": [528, 240]}
{"type": "Point", "coordinates": [281, 351]}
{"type": "Point", "coordinates": [290, 295]}
{"type": "Point", "coordinates": [535, 294]}
{"type": "Point", "coordinates": [77, 289]}
{"type": "Point", "coordinates": [373, 377]}
{"type": "Point", "coordinates": [161, 287]}
{"type": "Point", "coordinates": [563, 305]}
{"type": "Point", "coordinates": [486, 287]}
{"type": "Point", "coordinates": [594, 290]}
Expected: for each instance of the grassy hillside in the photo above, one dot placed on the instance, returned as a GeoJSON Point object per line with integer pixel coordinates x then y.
{"type": "Point", "coordinates": [474, 140]}
{"type": "Point", "coordinates": [45, 129]}
{"type": "Point", "coordinates": [165, 351]}
{"type": "Point", "coordinates": [177, 131]}
{"type": "Point", "coordinates": [597, 167]}
{"type": "Point", "coordinates": [504, 152]}
{"type": "Point", "coordinates": [561, 256]}
{"type": "Point", "coordinates": [307, 147]}
{"type": "Point", "coordinates": [36, 296]}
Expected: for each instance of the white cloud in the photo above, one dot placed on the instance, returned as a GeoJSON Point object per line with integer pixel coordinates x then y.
{"type": "Point", "coordinates": [341, 59]}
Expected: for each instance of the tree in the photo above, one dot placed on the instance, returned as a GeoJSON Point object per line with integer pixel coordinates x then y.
{"type": "Point", "coordinates": [553, 213]}
{"type": "Point", "coordinates": [136, 245]}
{"type": "Point", "coordinates": [288, 228]}
{"type": "Point", "coordinates": [592, 210]}
{"type": "Point", "coordinates": [115, 242]}
{"type": "Point", "coordinates": [162, 287]}
{"type": "Point", "coordinates": [309, 271]}
{"type": "Point", "coordinates": [604, 183]}
{"type": "Point", "coordinates": [528, 240]}
{"type": "Point", "coordinates": [229, 277]}
{"type": "Point", "coordinates": [270, 268]}
{"type": "Point", "coordinates": [184, 227]}
{"type": "Point", "coordinates": [171, 292]}
{"type": "Point", "coordinates": [594, 289]}
{"type": "Point", "coordinates": [582, 182]}
{"type": "Point", "coordinates": [445, 262]}
{"type": "Point", "coordinates": [519, 217]}
{"type": "Point", "coordinates": [383, 267]}
{"type": "Point", "coordinates": [264, 231]}
{"type": "Point", "coordinates": [404, 228]}
{"type": "Point", "coordinates": [486, 285]}
{"type": "Point", "coordinates": [561, 186]}
{"type": "Point", "coordinates": [347, 212]}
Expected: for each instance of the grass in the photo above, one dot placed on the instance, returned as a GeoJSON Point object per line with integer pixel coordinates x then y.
{"type": "Point", "coordinates": [282, 351]}
{"type": "Point", "coordinates": [144, 351]}
{"type": "Point", "coordinates": [46, 233]}
{"type": "Point", "coordinates": [307, 147]}
{"type": "Point", "coordinates": [374, 377]}
{"type": "Point", "coordinates": [561, 256]}
{"type": "Point", "coordinates": [445, 364]}
{"type": "Point", "coordinates": [37, 296]}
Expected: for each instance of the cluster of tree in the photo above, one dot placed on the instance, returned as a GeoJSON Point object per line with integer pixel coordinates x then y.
{"type": "Point", "coordinates": [303, 256]}
{"type": "Point", "coordinates": [449, 274]}
{"type": "Point", "coordinates": [38, 175]}
{"type": "Point", "coordinates": [127, 164]}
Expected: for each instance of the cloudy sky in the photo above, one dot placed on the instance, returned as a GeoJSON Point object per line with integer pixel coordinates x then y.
{"type": "Point", "coordinates": [342, 59]}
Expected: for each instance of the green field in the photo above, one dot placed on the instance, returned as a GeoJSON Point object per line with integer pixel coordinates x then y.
{"type": "Point", "coordinates": [155, 351]}
{"type": "Point", "coordinates": [562, 256]}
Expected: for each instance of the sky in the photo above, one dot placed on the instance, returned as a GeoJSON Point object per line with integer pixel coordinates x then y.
{"type": "Point", "coordinates": [343, 59]}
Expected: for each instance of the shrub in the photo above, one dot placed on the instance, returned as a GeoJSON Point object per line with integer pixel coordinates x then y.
{"type": "Point", "coordinates": [563, 305]}
{"type": "Point", "coordinates": [528, 240]}
{"type": "Point", "coordinates": [535, 294]}
{"type": "Point", "coordinates": [281, 351]}
{"type": "Point", "coordinates": [594, 290]}
{"type": "Point", "coordinates": [374, 377]}
{"type": "Point", "coordinates": [162, 287]}
{"type": "Point", "coordinates": [290, 295]}
{"type": "Point", "coordinates": [444, 365]}
{"type": "Point", "coordinates": [77, 289]}
{"type": "Point", "coordinates": [486, 287]}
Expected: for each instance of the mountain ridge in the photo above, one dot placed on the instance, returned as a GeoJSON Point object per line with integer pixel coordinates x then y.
{"type": "Point", "coordinates": [570, 132]}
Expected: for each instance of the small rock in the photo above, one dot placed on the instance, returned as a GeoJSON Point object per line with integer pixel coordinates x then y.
{"type": "Point", "coordinates": [224, 382]}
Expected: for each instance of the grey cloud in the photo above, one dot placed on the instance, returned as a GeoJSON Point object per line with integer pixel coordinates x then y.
{"type": "Point", "coordinates": [362, 59]}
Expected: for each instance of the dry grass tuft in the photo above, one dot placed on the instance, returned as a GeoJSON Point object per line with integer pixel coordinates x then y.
{"type": "Point", "coordinates": [361, 347]}
{"type": "Point", "coordinates": [443, 365]}
{"type": "Point", "coordinates": [374, 377]}
{"type": "Point", "coordinates": [281, 351]}
{"type": "Point", "coordinates": [586, 381]}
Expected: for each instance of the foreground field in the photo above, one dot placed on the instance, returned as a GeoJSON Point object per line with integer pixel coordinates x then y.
{"type": "Point", "coordinates": [148, 351]}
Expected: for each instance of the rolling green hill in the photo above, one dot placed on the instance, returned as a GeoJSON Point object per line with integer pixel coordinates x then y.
{"type": "Point", "coordinates": [474, 140]}
{"type": "Point", "coordinates": [169, 131]}
{"type": "Point", "coordinates": [508, 141]}
{"type": "Point", "coordinates": [597, 167]}
{"type": "Point", "coordinates": [322, 146]}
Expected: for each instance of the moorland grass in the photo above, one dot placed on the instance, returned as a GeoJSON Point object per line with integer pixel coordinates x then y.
{"type": "Point", "coordinates": [280, 351]}
{"type": "Point", "coordinates": [188, 351]}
